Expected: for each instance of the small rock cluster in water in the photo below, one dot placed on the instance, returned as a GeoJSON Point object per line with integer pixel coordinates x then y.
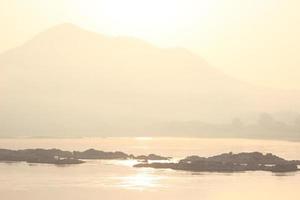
{"type": "Point", "coordinates": [57, 156]}
{"type": "Point", "coordinates": [229, 162]}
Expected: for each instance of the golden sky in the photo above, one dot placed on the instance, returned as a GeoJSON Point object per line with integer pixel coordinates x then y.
{"type": "Point", "coordinates": [254, 40]}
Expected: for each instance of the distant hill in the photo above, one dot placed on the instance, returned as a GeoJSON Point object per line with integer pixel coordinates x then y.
{"type": "Point", "coordinates": [70, 81]}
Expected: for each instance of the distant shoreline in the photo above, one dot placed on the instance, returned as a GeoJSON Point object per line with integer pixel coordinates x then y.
{"type": "Point", "coordinates": [151, 137]}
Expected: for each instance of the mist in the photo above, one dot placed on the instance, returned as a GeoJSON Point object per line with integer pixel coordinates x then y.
{"type": "Point", "coordinates": [67, 81]}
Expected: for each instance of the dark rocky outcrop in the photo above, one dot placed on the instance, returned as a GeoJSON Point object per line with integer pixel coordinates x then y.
{"type": "Point", "coordinates": [101, 155]}
{"type": "Point", "coordinates": [55, 160]}
{"type": "Point", "coordinates": [56, 156]}
{"type": "Point", "coordinates": [49, 156]}
{"type": "Point", "coordinates": [248, 158]}
{"type": "Point", "coordinates": [151, 157]}
{"type": "Point", "coordinates": [230, 162]}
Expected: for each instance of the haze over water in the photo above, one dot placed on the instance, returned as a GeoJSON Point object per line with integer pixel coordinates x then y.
{"type": "Point", "coordinates": [172, 78]}
{"type": "Point", "coordinates": [117, 179]}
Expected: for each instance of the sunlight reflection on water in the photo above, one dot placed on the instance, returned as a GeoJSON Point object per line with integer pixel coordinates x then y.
{"type": "Point", "coordinates": [143, 179]}
{"type": "Point", "coordinates": [118, 180]}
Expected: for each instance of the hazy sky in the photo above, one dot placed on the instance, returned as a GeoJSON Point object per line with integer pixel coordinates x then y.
{"type": "Point", "coordinates": [255, 40]}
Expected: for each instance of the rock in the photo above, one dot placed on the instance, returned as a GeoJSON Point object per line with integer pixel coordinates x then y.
{"type": "Point", "coordinates": [151, 157]}
{"type": "Point", "coordinates": [229, 162]}
{"type": "Point", "coordinates": [95, 154]}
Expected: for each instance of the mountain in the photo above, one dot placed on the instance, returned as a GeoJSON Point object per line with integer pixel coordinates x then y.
{"type": "Point", "coordinates": [70, 81]}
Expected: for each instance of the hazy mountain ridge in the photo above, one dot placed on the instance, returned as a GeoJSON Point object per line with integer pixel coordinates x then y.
{"type": "Point", "coordinates": [68, 80]}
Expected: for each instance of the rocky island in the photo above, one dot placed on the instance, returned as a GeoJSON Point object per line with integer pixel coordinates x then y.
{"type": "Point", "coordinates": [229, 162]}
{"type": "Point", "coordinates": [151, 157]}
{"type": "Point", "coordinates": [60, 157]}
{"type": "Point", "coordinates": [47, 156]}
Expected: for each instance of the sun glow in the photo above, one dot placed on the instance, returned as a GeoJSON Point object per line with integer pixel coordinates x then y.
{"type": "Point", "coordinates": [130, 14]}
{"type": "Point", "coordinates": [142, 17]}
{"type": "Point", "coordinates": [142, 180]}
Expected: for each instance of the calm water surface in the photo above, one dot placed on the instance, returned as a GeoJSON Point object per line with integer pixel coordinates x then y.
{"type": "Point", "coordinates": [118, 180]}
